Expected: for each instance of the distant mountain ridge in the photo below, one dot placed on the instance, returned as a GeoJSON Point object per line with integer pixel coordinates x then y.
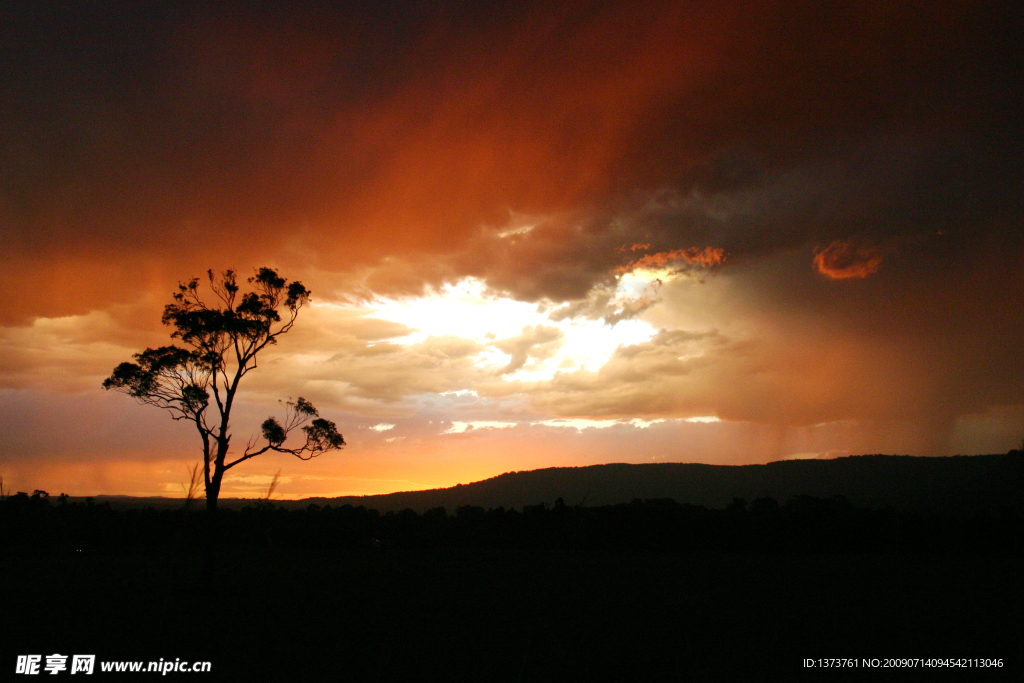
{"type": "Point", "coordinates": [939, 485]}
{"type": "Point", "coordinates": [932, 485]}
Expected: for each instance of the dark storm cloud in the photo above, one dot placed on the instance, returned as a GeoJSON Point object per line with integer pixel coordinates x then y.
{"type": "Point", "coordinates": [339, 135]}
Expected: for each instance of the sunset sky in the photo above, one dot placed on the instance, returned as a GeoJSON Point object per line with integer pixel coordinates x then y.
{"type": "Point", "coordinates": [537, 233]}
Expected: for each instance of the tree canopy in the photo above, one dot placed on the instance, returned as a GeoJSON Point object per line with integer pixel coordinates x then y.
{"type": "Point", "coordinates": [220, 343]}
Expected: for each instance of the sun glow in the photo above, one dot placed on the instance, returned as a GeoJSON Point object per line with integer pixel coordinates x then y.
{"type": "Point", "coordinates": [463, 309]}
{"type": "Point", "coordinates": [642, 282]}
{"type": "Point", "coordinates": [503, 325]}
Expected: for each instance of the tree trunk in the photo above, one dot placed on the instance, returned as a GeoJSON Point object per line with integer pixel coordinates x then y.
{"type": "Point", "coordinates": [212, 493]}
{"type": "Point", "coordinates": [212, 528]}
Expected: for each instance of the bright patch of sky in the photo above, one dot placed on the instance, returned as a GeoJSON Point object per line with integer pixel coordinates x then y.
{"type": "Point", "coordinates": [580, 424]}
{"type": "Point", "coordinates": [521, 230]}
{"type": "Point", "coordinates": [642, 283]}
{"type": "Point", "coordinates": [465, 309]}
{"type": "Point", "coordinates": [460, 427]}
{"type": "Point", "coordinates": [382, 427]}
{"type": "Point", "coordinates": [462, 309]}
{"type": "Point", "coordinates": [588, 346]}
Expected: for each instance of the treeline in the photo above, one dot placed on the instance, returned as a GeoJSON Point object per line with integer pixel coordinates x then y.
{"type": "Point", "coordinates": [801, 524]}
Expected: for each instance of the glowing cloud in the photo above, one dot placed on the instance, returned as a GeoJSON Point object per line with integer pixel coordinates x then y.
{"type": "Point", "coordinates": [708, 257]}
{"type": "Point", "coordinates": [460, 427]}
{"type": "Point", "coordinates": [843, 261]}
{"type": "Point", "coordinates": [579, 423]}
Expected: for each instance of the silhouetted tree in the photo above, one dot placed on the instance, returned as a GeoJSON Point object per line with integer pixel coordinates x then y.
{"type": "Point", "coordinates": [221, 344]}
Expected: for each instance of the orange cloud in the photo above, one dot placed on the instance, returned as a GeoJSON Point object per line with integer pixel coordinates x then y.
{"type": "Point", "coordinates": [707, 257]}
{"type": "Point", "coordinates": [843, 261]}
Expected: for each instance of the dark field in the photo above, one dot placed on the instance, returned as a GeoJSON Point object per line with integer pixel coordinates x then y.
{"type": "Point", "coordinates": [558, 611]}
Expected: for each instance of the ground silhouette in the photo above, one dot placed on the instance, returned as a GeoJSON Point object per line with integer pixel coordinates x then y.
{"type": "Point", "coordinates": [550, 592]}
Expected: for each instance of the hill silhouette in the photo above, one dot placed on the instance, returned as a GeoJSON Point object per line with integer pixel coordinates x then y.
{"type": "Point", "coordinates": [933, 485]}
{"type": "Point", "coordinates": [957, 485]}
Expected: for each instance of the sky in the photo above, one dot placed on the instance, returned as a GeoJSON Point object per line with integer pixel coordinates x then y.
{"type": "Point", "coordinates": [537, 234]}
